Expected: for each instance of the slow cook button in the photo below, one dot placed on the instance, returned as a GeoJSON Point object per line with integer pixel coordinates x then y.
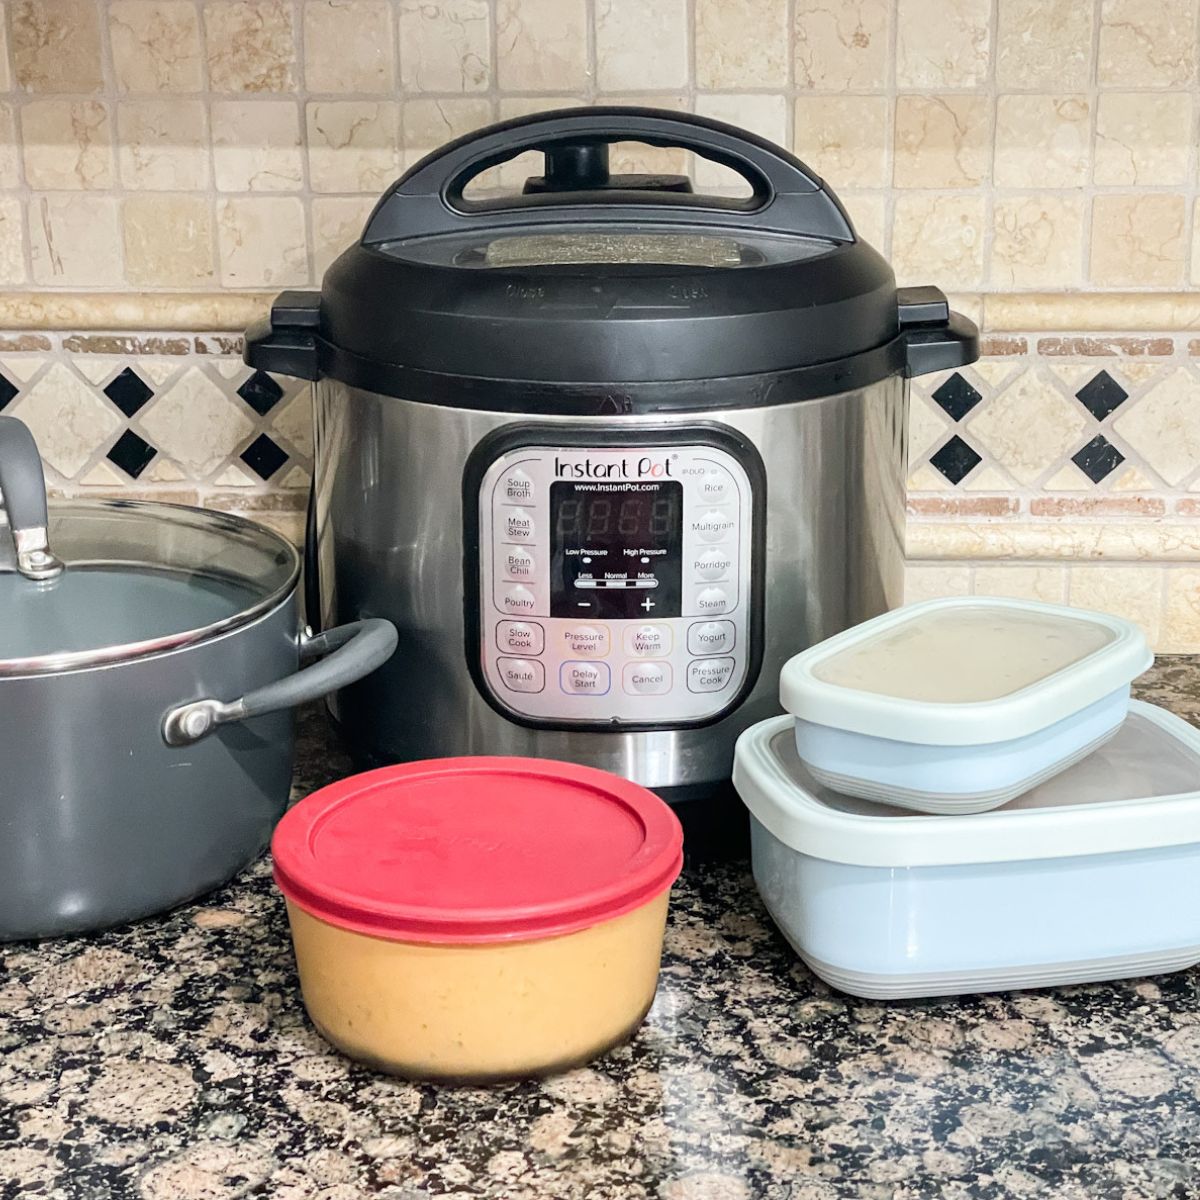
{"type": "Point", "coordinates": [709, 674]}
{"type": "Point", "coordinates": [710, 637]}
{"type": "Point", "coordinates": [517, 487]}
{"type": "Point", "coordinates": [517, 599]}
{"type": "Point", "coordinates": [518, 563]}
{"type": "Point", "coordinates": [646, 679]}
{"type": "Point", "coordinates": [520, 637]}
{"type": "Point", "coordinates": [586, 641]}
{"type": "Point", "coordinates": [713, 526]}
{"type": "Point", "coordinates": [713, 563]}
{"type": "Point", "coordinates": [584, 678]}
{"type": "Point", "coordinates": [713, 600]}
{"type": "Point", "coordinates": [521, 674]}
{"type": "Point", "coordinates": [518, 525]}
{"type": "Point", "coordinates": [648, 641]}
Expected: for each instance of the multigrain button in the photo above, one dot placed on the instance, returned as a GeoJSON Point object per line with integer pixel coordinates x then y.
{"type": "Point", "coordinates": [520, 637]}
{"type": "Point", "coordinates": [713, 526]}
{"type": "Point", "coordinates": [584, 678]}
{"type": "Point", "coordinates": [518, 525]}
{"type": "Point", "coordinates": [710, 637]}
{"type": "Point", "coordinates": [709, 674]}
{"type": "Point", "coordinates": [713, 563]}
{"type": "Point", "coordinates": [517, 487]}
{"type": "Point", "coordinates": [586, 641]}
{"type": "Point", "coordinates": [518, 563]}
{"type": "Point", "coordinates": [713, 600]}
{"type": "Point", "coordinates": [648, 641]}
{"type": "Point", "coordinates": [713, 486]}
{"type": "Point", "coordinates": [517, 599]}
{"type": "Point", "coordinates": [522, 674]}
{"type": "Point", "coordinates": [646, 678]}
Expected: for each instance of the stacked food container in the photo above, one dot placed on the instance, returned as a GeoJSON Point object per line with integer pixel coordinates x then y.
{"type": "Point", "coordinates": [963, 798]}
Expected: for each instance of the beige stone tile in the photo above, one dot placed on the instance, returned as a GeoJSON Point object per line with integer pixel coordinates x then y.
{"type": "Point", "coordinates": [349, 46]}
{"type": "Point", "coordinates": [1029, 427]}
{"type": "Point", "coordinates": [256, 146]}
{"type": "Point", "coordinates": [168, 240]}
{"type": "Point", "coordinates": [65, 415]}
{"type": "Point", "coordinates": [1042, 140]}
{"type": "Point", "coordinates": [1143, 137]}
{"type": "Point", "coordinates": [844, 138]}
{"type": "Point", "coordinates": [5, 74]}
{"type": "Point", "coordinates": [1134, 593]}
{"type": "Point", "coordinates": [1037, 240]}
{"type": "Point", "coordinates": [56, 45]}
{"type": "Point", "coordinates": [942, 141]}
{"type": "Point", "coordinates": [868, 214]}
{"type": "Point", "coordinates": [337, 223]}
{"type": "Point", "coordinates": [163, 145]}
{"type": "Point", "coordinates": [12, 240]}
{"type": "Point", "coordinates": [75, 240]}
{"type": "Point", "coordinates": [641, 43]}
{"type": "Point", "coordinates": [541, 45]}
{"type": "Point", "coordinates": [194, 421]}
{"type": "Point", "coordinates": [67, 144]}
{"type": "Point", "coordinates": [942, 43]}
{"type": "Point", "coordinates": [1181, 616]}
{"type": "Point", "coordinates": [926, 479]}
{"type": "Point", "coordinates": [1068, 478]}
{"type": "Point", "coordinates": [1020, 582]}
{"type": "Point", "coordinates": [764, 115]}
{"type": "Point", "coordinates": [155, 46]}
{"type": "Point", "coordinates": [1138, 239]}
{"type": "Point", "coordinates": [927, 425]}
{"type": "Point", "coordinates": [928, 582]}
{"type": "Point", "coordinates": [636, 158]}
{"type": "Point", "coordinates": [511, 175]}
{"type": "Point", "coordinates": [741, 44]}
{"type": "Point", "coordinates": [429, 124]}
{"type": "Point", "coordinates": [1163, 426]}
{"type": "Point", "coordinates": [250, 45]}
{"type": "Point", "coordinates": [987, 478]}
{"type": "Point", "coordinates": [261, 241]}
{"type": "Point", "coordinates": [445, 47]}
{"type": "Point", "coordinates": [842, 46]}
{"type": "Point", "coordinates": [1196, 242]}
{"type": "Point", "coordinates": [938, 237]}
{"type": "Point", "coordinates": [1044, 43]}
{"type": "Point", "coordinates": [1144, 44]}
{"type": "Point", "coordinates": [10, 147]}
{"type": "Point", "coordinates": [353, 145]}
{"type": "Point", "coordinates": [293, 421]}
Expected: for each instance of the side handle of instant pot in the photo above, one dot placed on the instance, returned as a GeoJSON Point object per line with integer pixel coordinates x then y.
{"type": "Point", "coordinates": [24, 487]}
{"type": "Point", "coordinates": [936, 339]}
{"type": "Point", "coordinates": [355, 650]}
{"type": "Point", "coordinates": [286, 341]}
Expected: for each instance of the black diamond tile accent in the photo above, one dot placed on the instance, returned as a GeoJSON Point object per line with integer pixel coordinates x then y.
{"type": "Point", "coordinates": [128, 391]}
{"type": "Point", "coordinates": [1098, 459]}
{"type": "Point", "coordinates": [131, 453]}
{"type": "Point", "coordinates": [263, 457]}
{"type": "Point", "coordinates": [956, 396]}
{"type": "Point", "coordinates": [8, 390]}
{"type": "Point", "coordinates": [1101, 395]}
{"type": "Point", "coordinates": [956, 459]}
{"type": "Point", "coordinates": [261, 392]}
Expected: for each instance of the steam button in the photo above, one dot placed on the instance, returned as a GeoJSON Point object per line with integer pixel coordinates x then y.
{"type": "Point", "coordinates": [713, 600]}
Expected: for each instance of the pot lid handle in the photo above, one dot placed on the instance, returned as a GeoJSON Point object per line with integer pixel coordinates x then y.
{"type": "Point", "coordinates": [23, 486]}
{"type": "Point", "coordinates": [787, 197]}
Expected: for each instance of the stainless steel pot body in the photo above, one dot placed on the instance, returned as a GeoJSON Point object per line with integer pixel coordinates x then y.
{"type": "Point", "coordinates": [389, 533]}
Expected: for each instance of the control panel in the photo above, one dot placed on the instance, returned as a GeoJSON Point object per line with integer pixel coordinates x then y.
{"type": "Point", "coordinates": [615, 582]}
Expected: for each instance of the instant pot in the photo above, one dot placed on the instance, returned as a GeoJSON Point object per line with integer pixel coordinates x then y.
{"type": "Point", "coordinates": [607, 452]}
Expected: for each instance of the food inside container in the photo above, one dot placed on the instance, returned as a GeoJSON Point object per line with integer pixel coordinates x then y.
{"type": "Point", "coordinates": [478, 918]}
{"type": "Point", "coordinates": [1093, 874]}
{"type": "Point", "coordinates": [960, 705]}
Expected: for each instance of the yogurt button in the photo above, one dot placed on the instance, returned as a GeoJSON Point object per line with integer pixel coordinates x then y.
{"type": "Point", "coordinates": [709, 674]}
{"type": "Point", "coordinates": [586, 641]}
{"type": "Point", "coordinates": [521, 674]}
{"type": "Point", "coordinates": [518, 525]}
{"type": "Point", "coordinates": [710, 637]}
{"type": "Point", "coordinates": [517, 487]}
{"type": "Point", "coordinates": [517, 599]}
{"type": "Point", "coordinates": [519, 564]}
{"type": "Point", "coordinates": [713, 563]}
{"type": "Point", "coordinates": [520, 637]}
{"type": "Point", "coordinates": [713, 600]}
{"type": "Point", "coordinates": [648, 641]}
{"type": "Point", "coordinates": [584, 678]}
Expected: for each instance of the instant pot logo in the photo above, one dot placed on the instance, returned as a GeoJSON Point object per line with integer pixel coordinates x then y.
{"type": "Point", "coordinates": [646, 467]}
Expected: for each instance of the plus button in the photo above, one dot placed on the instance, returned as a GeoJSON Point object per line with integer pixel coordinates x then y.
{"type": "Point", "coordinates": [647, 604]}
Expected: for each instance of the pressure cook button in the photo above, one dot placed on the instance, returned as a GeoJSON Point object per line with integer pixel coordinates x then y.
{"type": "Point", "coordinates": [518, 525]}
{"type": "Point", "coordinates": [586, 641]}
{"type": "Point", "coordinates": [713, 486]}
{"type": "Point", "coordinates": [713, 600]}
{"type": "Point", "coordinates": [517, 599]}
{"type": "Point", "coordinates": [713, 526]}
{"type": "Point", "coordinates": [648, 641]}
{"type": "Point", "coordinates": [710, 637]}
{"type": "Point", "coordinates": [517, 487]}
{"type": "Point", "coordinates": [713, 563]}
{"type": "Point", "coordinates": [709, 674]}
{"type": "Point", "coordinates": [520, 637]}
{"type": "Point", "coordinates": [646, 679]}
{"type": "Point", "coordinates": [518, 563]}
{"type": "Point", "coordinates": [522, 675]}
{"type": "Point", "coordinates": [585, 678]}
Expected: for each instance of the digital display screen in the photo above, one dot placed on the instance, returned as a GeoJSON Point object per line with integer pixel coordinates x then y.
{"type": "Point", "coordinates": [616, 549]}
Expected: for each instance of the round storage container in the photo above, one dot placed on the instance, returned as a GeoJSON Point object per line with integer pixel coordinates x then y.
{"type": "Point", "coordinates": [478, 918]}
{"type": "Point", "coordinates": [960, 705]}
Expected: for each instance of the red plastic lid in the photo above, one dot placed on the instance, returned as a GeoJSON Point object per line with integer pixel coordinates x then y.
{"type": "Point", "coordinates": [476, 850]}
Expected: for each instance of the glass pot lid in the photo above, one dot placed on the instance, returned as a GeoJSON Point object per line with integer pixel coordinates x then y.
{"type": "Point", "coordinates": [140, 578]}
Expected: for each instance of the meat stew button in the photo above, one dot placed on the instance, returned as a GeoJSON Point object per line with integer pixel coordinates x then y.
{"type": "Point", "coordinates": [521, 674]}
{"type": "Point", "coordinates": [709, 674]}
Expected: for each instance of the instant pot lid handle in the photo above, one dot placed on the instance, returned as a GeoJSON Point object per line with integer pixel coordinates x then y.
{"type": "Point", "coordinates": [23, 486]}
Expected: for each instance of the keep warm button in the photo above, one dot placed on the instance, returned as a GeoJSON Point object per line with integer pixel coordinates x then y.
{"type": "Point", "coordinates": [584, 678]}
{"type": "Point", "coordinates": [709, 674]}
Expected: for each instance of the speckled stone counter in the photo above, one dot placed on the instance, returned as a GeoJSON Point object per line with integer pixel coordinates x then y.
{"type": "Point", "coordinates": [173, 1061]}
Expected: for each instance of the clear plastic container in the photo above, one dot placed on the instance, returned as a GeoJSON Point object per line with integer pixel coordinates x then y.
{"type": "Point", "coordinates": [1093, 874]}
{"type": "Point", "coordinates": [960, 705]}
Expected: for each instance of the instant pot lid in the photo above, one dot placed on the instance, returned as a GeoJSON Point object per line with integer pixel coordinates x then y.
{"type": "Point", "coordinates": [140, 579]}
{"type": "Point", "coordinates": [589, 281]}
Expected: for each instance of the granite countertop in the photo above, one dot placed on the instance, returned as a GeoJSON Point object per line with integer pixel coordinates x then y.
{"type": "Point", "coordinates": [173, 1060]}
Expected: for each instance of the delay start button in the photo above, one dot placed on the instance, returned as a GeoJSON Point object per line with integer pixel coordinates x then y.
{"type": "Point", "coordinates": [584, 678]}
{"type": "Point", "coordinates": [709, 674]}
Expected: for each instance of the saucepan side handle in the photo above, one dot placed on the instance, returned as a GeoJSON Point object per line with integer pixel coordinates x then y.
{"type": "Point", "coordinates": [24, 488]}
{"type": "Point", "coordinates": [354, 650]}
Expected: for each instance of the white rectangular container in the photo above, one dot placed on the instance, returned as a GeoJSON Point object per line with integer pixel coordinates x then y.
{"type": "Point", "coordinates": [1094, 874]}
{"type": "Point", "coordinates": [960, 705]}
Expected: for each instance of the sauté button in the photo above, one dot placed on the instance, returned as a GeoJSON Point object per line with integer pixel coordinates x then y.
{"type": "Point", "coordinates": [709, 674]}
{"type": "Point", "coordinates": [584, 678]}
{"type": "Point", "coordinates": [713, 600]}
{"type": "Point", "coordinates": [518, 525]}
{"type": "Point", "coordinates": [518, 599]}
{"type": "Point", "coordinates": [713, 486]}
{"type": "Point", "coordinates": [518, 563]}
{"type": "Point", "coordinates": [520, 637]}
{"type": "Point", "coordinates": [522, 674]}
{"type": "Point", "coordinates": [586, 641]}
{"type": "Point", "coordinates": [646, 679]}
{"type": "Point", "coordinates": [517, 487]}
{"type": "Point", "coordinates": [710, 637]}
{"type": "Point", "coordinates": [713, 526]}
{"type": "Point", "coordinates": [648, 641]}
{"type": "Point", "coordinates": [713, 563]}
